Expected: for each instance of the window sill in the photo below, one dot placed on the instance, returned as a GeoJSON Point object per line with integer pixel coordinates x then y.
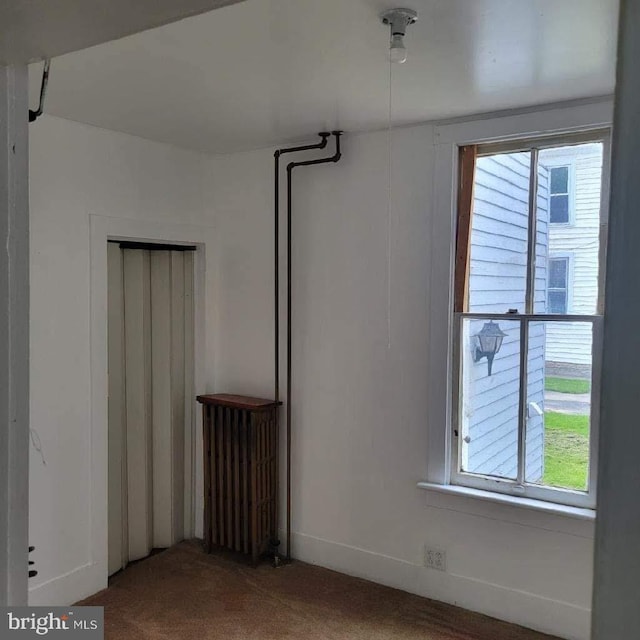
{"type": "Point", "coordinates": [552, 508]}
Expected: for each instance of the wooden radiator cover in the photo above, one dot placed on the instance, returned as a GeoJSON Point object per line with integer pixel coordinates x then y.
{"type": "Point", "coordinates": [240, 473]}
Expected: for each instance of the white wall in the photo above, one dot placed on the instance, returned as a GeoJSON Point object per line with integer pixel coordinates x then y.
{"type": "Point", "coordinates": [361, 360]}
{"type": "Point", "coordinates": [78, 172]}
{"type": "Point", "coordinates": [360, 403]}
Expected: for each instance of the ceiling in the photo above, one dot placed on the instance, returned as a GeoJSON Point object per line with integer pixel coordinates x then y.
{"type": "Point", "coordinates": [35, 29]}
{"type": "Point", "coordinates": [267, 71]}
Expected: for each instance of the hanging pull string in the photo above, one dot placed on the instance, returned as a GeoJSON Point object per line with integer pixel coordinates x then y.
{"type": "Point", "coordinates": [389, 191]}
{"type": "Point", "coordinates": [37, 444]}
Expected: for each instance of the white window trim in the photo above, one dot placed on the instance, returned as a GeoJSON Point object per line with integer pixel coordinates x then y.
{"type": "Point", "coordinates": [447, 140]}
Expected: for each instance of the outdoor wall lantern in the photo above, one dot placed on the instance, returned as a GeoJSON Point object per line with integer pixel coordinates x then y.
{"type": "Point", "coordinates": [489, 340]}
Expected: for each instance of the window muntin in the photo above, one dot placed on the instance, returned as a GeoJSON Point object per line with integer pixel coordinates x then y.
{"type": "Point", "coordinates": [558, 286]}
{"type": "Point", "coordinates": [517, 291]}
{"type": "Point", "coordinates": [559, 195]}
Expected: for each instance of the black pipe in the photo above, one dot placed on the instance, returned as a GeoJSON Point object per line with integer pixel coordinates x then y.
{"type": "Point", "coordinates": [276, 269]}
{"type": "Point", "coordinates": [34, 115]}
{"type": "Point", "coordinates": [276, 280]}
{"type": "Point", "coordinates": [290, 167]}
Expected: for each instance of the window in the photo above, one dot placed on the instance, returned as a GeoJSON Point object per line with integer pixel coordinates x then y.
{"type": "Point", "coordinates": [558, 285]}
{"type": "Point", "coordinates": [525, 359]}
{"type": "Point", "coordinates": [559, 195]}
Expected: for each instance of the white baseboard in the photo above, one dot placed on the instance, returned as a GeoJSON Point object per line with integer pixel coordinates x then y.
{"type": "Point", "coordinates": [530, 610]}
{"type": "Point", "coordinates": [557, 618]}
{"type": "Point", "coordinates": [70, 587]}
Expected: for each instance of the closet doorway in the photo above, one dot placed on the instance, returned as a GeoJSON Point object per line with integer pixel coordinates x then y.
{"type": "Point", "coordinates": [151, 390]}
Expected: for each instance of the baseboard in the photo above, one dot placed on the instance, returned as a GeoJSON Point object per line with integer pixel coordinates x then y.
{"type": "Point", "coordinates": [554, 617]}
{"type": "Point", "coordinates": [530, 610]}
{"type": "Point", "coordinates": [70, 587]}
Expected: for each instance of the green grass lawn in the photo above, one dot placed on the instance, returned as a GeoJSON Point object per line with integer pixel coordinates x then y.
{"type": "Point", "coordinates": [566, 450]}
{"type": "Point", "coordinates": [567, 385]}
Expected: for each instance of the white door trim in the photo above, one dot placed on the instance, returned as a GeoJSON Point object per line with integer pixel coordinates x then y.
{"type": "Point", "coordinates": [14, 335]}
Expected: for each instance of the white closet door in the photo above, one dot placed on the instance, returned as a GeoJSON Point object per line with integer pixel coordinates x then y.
{"type": "Point", "coordinates": [118, 544]}
{"type": "Point", "coordinates": [177, 394]}
{"type": "Point", "coordinates": [151, 355]}
{"type": "Point", "coordinates": [161, 394]}
{"type": "Point", "coordinates": [137, 323]}
{"type": "Point", "coordinates": [189, 395]}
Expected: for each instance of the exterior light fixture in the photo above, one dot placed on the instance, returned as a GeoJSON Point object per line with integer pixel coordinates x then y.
{"type": "Point", "coordinates": [398, 21]}
{"type": "Point", "coordinates": [489, 339]}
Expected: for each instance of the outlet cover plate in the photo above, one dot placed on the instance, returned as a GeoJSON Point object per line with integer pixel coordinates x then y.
{"type": "Point", "coordinates": [435, 558]}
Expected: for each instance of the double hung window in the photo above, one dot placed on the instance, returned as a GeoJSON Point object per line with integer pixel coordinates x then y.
{"type": "Point", "coordinates": [526, 360]}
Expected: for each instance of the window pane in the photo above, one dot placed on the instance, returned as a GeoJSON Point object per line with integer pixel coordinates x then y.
{"type": "Point", "coordinates": [559, 211]}
{"type": "Point", "coordinates": [559, 179]}
{"type": "Point", "coordinates": [558, 404]}
{"type": "Point", "coordinates": [557, 302]}
{"type": "Point", "coordinates": [499, 233]}
{"type": "Point", "coordinates": [581, 239]}
{"type": "Point", "coordinates": [489, 403]}
{"type": "Point", "coordinates": [558, 273]}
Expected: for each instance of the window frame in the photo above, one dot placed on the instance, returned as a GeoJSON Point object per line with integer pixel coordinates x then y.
{"type": "Point", "coordinates": [519, 487]}
{"type": "Point", "coordinates": [568, 259]}
{"type": "Point", "coordinates": [570, 194]}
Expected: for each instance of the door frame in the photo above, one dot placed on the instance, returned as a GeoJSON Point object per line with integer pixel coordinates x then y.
{"type": "Point", "coordinates": [14, 335]}
{"type": "Point", "coordinates": [103, 229]}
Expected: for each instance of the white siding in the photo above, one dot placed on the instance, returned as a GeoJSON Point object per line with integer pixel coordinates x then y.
{"type": "Point", "coordinates": [489, 413]}
{"type": "Point", "coordinates": [579, 241]}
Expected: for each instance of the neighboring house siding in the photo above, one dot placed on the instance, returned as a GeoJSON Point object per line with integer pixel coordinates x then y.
{"type": "Point", "coordinates": [497, 283]}
{"type": "Point", "coordinates": [579, 241]}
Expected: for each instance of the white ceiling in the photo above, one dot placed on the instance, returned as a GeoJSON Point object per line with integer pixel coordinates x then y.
{"type": "Point", "coordinates": [34, 29]}
{"type": "Point", "coordinates": [267, 71]}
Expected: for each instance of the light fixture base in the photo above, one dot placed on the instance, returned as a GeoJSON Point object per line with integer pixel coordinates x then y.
{"type": "Point", "coordinates": [399, 19]}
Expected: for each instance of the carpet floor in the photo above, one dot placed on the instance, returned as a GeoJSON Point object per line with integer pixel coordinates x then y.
{"type": "Point", "coordinates": [185, 594]}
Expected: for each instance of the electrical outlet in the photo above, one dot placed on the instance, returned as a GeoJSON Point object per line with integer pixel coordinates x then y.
{"type": "Point", "coordinates": [435, 559]}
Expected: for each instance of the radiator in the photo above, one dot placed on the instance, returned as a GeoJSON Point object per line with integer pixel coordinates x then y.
{"type": "Point", "coordinates": [240, 438]}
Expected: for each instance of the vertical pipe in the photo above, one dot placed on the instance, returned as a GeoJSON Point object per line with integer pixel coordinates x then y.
{"type": "Point", "coordinates": [276, 275]}
{"type": "Point", "coordinates": [289, 172]}
{"type": "Point", "coordinates": [290, 167]}
{"type": "Point", "coordinates": [276, 302]}
{"type": "Point", "coordinates": [276, 253]}
{"type": "Point", "coordinates": [276, 329]}
{"type": "Point", "coordinates": [276, 242]}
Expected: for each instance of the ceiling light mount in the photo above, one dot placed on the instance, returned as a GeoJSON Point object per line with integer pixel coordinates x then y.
{"type": "Point", "coordinates": [398, 21]}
